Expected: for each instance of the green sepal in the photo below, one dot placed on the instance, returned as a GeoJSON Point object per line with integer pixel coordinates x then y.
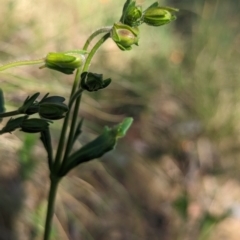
{"type": "Point", "coordinates": [125, 7]}
{"type": "Point", "coordinates": [152, 6]}
{"type": "Point", "coordinates": [30, 105]}
{"type": "Point", "coordinates": [52, 99]}
{"type": "Point", "coordinates": [98, 147]}
{"type": "Point", "coordinates": [13, 124]}
{"type": "Point", "coordinates": [34, 125]}
{"type": "Point", "coordinates": [132, 15]}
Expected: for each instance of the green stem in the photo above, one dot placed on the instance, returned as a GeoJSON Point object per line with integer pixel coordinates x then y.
{"type": "Point", "coordinates": [50, 210]}
{"type": "Point", "coordinates": [60, 149]}
{"type": "Point", "coordinates": [59, 153]}
{"type": "Point", "coordinates": [94, 50]}
{"type": "Point", "coordinates": [94, 34]}
{"type": "Point", "coordinates": [58, 158]}
{"type": "Point", "coordinates": [74, 97]}
{"type": "Point", "coordinates": [9, 114]}
{"type": "Point", "coordinates": [21, 63]}
{"type": "Point", "coordinates": [78, 100]}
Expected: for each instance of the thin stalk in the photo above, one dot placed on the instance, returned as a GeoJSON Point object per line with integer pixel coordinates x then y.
{"type": "Point", "coordinates": [21, 63]}
{"type": "Point", "coordinates": [58, 158]}
{"type": "Point", "coordinates": [59, 153]}
{"type": "Point", "coordinates": [94, 34]}
{"type": "Point", "coordinates": [78, 100]}
{"type": "Point", "coordinates": [75, 96]}
{"type": "Point", "coordinates": [55, 169]}
{"type": "Point", "coordinates": [9, 114]}
{"type": "Point", "coordinates": [50, 210]}
{"type": "Point", "coordinates": [94, 50]}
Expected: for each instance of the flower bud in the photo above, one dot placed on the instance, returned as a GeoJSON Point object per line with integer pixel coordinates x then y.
{"type": "Point", "coordinates": [132, 15]}
{"type": "Point", "coordinates": [93, 81]}
{"type": "Point", "coordinates": [64, 62]}
{"type": "Point", "coordinates": [157, 16]}
{"type": "Point", "coordinates": [53, 111]}
{"type": "Point", "coordinates": [34, 125]}
{"type": "Point", "coordinates": [124, 36]}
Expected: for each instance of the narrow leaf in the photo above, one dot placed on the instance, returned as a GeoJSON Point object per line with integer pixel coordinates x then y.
{"type": "Point", "coordinates": [98, 147]}
{"type": "Point", "coordinates": [46, 140]}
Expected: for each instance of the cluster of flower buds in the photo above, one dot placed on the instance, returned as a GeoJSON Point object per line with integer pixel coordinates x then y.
{"type": "Point", "coordinates": [49, 108]}
{"type": "Point", "coordinates": [52, 108]}
{"type": "Point", "coordinates": [125, 33]}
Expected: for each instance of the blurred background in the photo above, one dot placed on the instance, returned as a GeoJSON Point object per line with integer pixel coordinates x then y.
{"type": "Point", "coordinates": [176, 174]}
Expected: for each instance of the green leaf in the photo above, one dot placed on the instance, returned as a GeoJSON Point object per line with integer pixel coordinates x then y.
{"type": "Point", "coordinates": [46, 140]}
{"type": "Point", "coordinates": [98, 147]}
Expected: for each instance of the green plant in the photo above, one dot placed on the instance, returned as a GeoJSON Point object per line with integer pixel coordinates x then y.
{"type": "Point", "coordinates": [125, 34]}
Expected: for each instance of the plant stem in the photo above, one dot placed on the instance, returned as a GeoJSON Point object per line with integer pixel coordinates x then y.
{"type": "Point", "coordinates": [94, 50]}
{"type": "Point", "coordinates": [74, 97]}
{"type": "Point", "coordinates": [78, 100]}
{"type": "Point", "coordinates": [21, 63]}
{"type": "Point", "coordinates": [94, 34]}
{"type": "Point", "coordinates": [58, 157]}
{"type": "Point", "coordinates": [50, 210]}
{"type": "Point", "coordinates": [58, 163]}
{"type": "Point", "coordinates": [9, 114]}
